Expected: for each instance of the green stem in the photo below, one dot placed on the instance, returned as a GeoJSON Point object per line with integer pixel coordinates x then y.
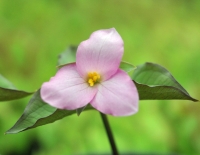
{"type": "Point", "coordinates": [109, 134]}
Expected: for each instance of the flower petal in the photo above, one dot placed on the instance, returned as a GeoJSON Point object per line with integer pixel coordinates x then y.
{"type": "Point", "coordinates": [117, 96]}
{"type": "Point", "coordinates": [67, 90]}
{"type": "Point", "coordinates": [101, 53]}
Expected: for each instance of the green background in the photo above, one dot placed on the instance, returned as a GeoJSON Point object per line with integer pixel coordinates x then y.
{"type": "Point", "coordinates": [33, 33]}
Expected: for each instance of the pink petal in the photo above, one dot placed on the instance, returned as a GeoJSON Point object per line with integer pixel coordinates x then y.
{"type": "Point", "coordinates": [117, 96]}
{"type": "Point", "coordinates": [101, 53]}
{"type": "Point", "coordinates": [67, 90]}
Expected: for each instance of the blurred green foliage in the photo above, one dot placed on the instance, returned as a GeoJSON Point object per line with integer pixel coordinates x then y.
{"type": "Point", "coordinates": [33, 33]}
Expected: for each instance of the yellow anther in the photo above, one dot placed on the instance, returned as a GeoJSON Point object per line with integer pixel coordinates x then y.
{"type": "Point", "coordinates": [90, 75]}
{"type": "Point", "coordinates": [93, 78]}
{"type": "Point", "coordinates": [91, 82]}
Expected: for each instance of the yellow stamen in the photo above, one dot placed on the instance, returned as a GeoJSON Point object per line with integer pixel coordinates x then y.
{"type": "Point", "coordinates": [90, 75]}
{"type": "Point", "coordinates": [91, 82]}
{"type": "Point", "coordinates": [93, 78]}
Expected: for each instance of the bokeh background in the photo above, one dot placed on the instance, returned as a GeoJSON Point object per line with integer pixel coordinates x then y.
{"type": "Point", "coordinates": [33, 33]}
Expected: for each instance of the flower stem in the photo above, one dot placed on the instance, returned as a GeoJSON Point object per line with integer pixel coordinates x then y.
{"type": "Point", "coordinates": [109, 134]}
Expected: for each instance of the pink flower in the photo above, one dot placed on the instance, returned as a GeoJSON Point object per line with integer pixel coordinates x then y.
{"type": "Point", "coordinates": [95, 78]}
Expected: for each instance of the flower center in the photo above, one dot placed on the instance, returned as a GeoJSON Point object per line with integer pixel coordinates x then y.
{"type": "Point", "coordinates": [93, 78]}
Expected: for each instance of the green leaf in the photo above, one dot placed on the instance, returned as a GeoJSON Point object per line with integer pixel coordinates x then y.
{"type": "Point", "coordinates": [80, 110]}
{"type": "Point", "coordinates": [127, 67]}
{"type": "Point", "coordinates": [154, 82]}
{"type": "Point", "coordinates": [39, 113]}
{"type": "Point", "coordinates": [4, 83]}
{"type": "Point", "coordinates": [8, 91]}
{"type": "Point", "coordinates": [9, 94]}
{"type": "Point", "coordinates": [67, 56]}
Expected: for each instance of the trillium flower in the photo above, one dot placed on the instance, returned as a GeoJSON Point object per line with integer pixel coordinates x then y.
{"type": "Point", "coordinates": [95, 78]}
